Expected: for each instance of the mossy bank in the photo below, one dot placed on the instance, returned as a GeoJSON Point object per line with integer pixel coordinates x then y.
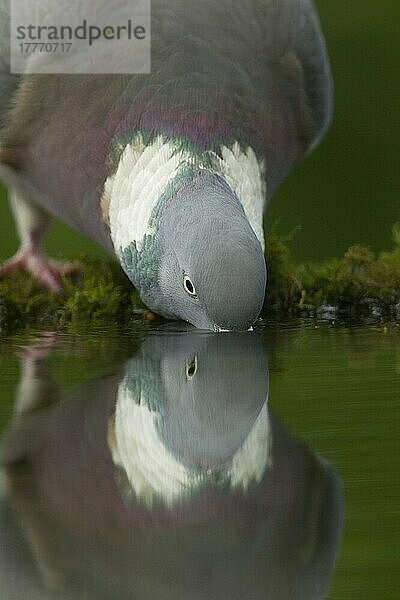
{"type": "Point", "coordinates": [359, 285]}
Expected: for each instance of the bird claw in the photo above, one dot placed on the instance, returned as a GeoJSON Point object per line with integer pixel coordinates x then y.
{"type": "Point", "coordinates": [45, 270]}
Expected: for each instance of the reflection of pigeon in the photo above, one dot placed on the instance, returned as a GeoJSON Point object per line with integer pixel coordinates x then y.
{"type": "Point", "coordinates": [190, 410]}
{"type": "Point", "coordinates": [275, 538]}
{"type": "Point", "coordinates": [171, 171]}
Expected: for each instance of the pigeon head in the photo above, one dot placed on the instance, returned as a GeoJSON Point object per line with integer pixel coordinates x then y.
{"type": "Point", "coordinates": [184, 239]}
{"type": "Point", "coordinates": [211, 267]}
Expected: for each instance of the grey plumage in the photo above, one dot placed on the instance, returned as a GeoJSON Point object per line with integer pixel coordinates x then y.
{"type": "Point", "coordinates": [269, 54]}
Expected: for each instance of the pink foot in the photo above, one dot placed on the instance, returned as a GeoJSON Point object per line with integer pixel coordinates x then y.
{"type": "Point", "coordinates": [45, 270]}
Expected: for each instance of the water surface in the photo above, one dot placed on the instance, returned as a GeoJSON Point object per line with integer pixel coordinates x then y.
{"type": "Point", "coordinates": [180, 464]}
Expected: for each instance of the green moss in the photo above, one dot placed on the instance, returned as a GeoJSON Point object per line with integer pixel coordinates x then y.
{"type": "Point", "coordinates": [99, 293]}
{"type": "Point", "coordinates": [358, 284]}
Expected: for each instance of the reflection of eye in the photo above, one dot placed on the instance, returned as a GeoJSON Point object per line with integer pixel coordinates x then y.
{"type": "Point", "coordinates": [191, 367]}
{"type": "Point", "coordinates": [188, 285]}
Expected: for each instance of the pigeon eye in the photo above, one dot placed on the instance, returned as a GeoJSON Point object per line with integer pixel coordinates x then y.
{"type": "Point", "coordinates": [188, 285]}
{"type": "Point", "coordinates": [191, 367]}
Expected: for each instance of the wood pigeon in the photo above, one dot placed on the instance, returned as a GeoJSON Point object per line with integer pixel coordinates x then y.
{"type": "Point", "coordinates": [171, 171]}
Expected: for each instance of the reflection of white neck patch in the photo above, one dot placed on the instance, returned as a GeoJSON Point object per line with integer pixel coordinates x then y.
{"type": "Point", "coordinates": [153, 472]}
{"type": "Point", "coordinates": [143, 172]}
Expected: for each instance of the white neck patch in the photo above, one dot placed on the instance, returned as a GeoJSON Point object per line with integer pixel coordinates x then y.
{"type": "Point", "coordinates": [153, 472]}
{"type": "Point", "coordinates": [245, 174]}
{"type": "Point", "coordinates": [143, 172]}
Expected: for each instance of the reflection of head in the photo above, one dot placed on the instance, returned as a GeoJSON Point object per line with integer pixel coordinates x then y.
{"type": "Point", "coordinates": [192, 409]}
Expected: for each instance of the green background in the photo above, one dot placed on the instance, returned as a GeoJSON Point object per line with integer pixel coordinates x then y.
{"type": "Point", "coordinates": [348, 190]}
